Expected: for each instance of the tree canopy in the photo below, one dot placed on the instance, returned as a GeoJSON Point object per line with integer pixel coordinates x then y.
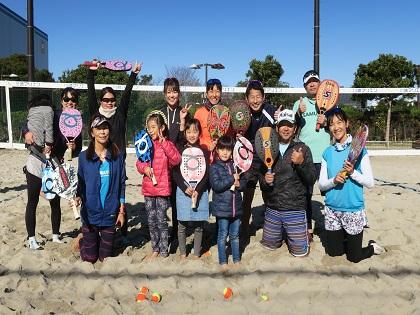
{"type": "Point", "coordinates": [18, 64]}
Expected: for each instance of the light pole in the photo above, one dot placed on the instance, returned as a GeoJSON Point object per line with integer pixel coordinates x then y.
{"type": "Point", "coordinates": [217, 66]}
{"type": "Point", "coordinates": [418, 84]}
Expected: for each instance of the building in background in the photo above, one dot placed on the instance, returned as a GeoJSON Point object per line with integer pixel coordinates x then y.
{"type": "Point", "coordinates": [13, 38]}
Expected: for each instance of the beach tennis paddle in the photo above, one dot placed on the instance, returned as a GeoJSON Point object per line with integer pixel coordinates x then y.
{"type": "Point", "coordinates": [67, 190]}
{"type": "Point", "coordinates": [267, 146]}
{"type": "Point", "coordinates": [326, 97]}
{"type": "Point", "coordinates": [243, 153]}
{"type": "Point", "coordinates": [240, 116]}
{"type": "Point", "coordinates": [70, 125]}
{"type": "Point", "coordinates": [193, 168]}
{"type": "Point", "coordinates": [218, 121]}
{"type": "Point", "coordinates": [113, 65]}
{"type": "Point", "coordinates": [47, 181]}
{"type": "Point", "coordinates": [358, 143]}
{"type": "Point", "coordinates": [144, 150]}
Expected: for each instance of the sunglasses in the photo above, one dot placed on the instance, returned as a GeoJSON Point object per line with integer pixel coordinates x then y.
{"type": "Point", "coordinates": [108, 100]}
{"type": "Point", "coordinates": [68, 99]}
{"type": "Point", "coordinates": [214, 82]}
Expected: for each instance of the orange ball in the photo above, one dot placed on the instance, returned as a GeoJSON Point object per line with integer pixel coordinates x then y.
{"type": "Point", "coordinates": [144, 290]}
{"type": "Point", "coordinates": [141, 297]}
{"type": "Point", "coordinates": [227, 293]}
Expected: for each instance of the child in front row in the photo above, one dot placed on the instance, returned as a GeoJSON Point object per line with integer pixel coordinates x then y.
{"type": "Point", "coordinates": [189, 137]}
{"type": "Point", "coordinates": [227, 202]}
{"type": "Point", "coordinates": [156, 197]}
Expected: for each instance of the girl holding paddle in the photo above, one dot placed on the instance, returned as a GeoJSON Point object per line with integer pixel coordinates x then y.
{"type": "Point", "coordinates": [345, 216]}
{"type": "Point", "coordinates": [156, 197]}
{"type": "Point", "coordinates": [101, 191]}
{"type": "Point", "coordinates": [190, 133]}
{"type": "Point", "coordinates": [227, 205]}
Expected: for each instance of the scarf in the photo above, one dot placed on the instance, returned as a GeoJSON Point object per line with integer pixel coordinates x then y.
{"type": "Point", "coordinates": [108, 113]}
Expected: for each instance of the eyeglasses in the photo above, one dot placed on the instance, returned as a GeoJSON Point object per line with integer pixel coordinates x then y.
{"type": "Point", "coordinates": [68, 99]}
{"type": "Point", "coordinates": [108, 100]}
{"type": "Point", "coordinates": [214, 82]}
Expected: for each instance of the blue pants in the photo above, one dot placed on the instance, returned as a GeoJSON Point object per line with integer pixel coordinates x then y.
{"type": "Point", "coordinates": [228, 226]}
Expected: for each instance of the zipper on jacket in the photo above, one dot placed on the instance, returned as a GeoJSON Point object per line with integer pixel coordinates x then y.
{"type": "Point", "coordinates": [234, 192]}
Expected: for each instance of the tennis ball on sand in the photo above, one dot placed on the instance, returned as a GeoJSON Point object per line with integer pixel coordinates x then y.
{"type": "Point", "coordinates": [156, 297]}
{"type": "Point", "coordinates": [141, 297]}
{"type": "Point", "coordinates": [227, 293]}
{"type": "Point", "coordinates": [264, 297]}
{"type": "Point", "coordinates": [144, 290]}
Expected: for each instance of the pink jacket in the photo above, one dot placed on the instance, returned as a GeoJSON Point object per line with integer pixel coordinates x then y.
{"type": "Point", "coordinates": [165, 156]}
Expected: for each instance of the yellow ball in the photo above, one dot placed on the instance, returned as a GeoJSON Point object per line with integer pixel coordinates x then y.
{"type": "Point", "coordinates": [264, 297]}
{"type": "Point", "coordinates": [156, 297]}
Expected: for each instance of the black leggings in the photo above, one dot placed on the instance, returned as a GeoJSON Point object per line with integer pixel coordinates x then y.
{"type": "Point", "coordinates": [335, 245]}
{"type": "Point", "coordinates": [34, 187]}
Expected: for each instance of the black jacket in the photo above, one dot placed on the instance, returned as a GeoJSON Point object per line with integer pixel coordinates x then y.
{"type": "Point", "coordinates": [290, 180]}
{"type": "Point", "coordinates": [119, 120]}
{"type": "Point", "coordinates": [174, 121]}
{"type": "Point", "coordinates": [226, 203]}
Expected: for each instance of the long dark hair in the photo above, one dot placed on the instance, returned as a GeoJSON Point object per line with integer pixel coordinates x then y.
{"type": "Point", "coordinates": [110, 146]}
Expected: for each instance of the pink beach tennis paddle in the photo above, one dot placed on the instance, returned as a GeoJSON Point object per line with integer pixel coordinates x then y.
{"type": "Point", "coordinates": [70, 125]}
{"type": "Point", "coordinates": [193, 168]}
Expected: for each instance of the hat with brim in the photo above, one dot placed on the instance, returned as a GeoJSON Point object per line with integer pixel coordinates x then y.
{"type": "Point", "coordinates": [100, 120]}
{"type": "Point", "coordinates": [310, 75]}
{"type": "Point", "coordinates": [286, 115]}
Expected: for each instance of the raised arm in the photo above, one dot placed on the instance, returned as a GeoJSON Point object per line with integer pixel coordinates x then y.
{"type": "Point", "coordinates": [125, 98]}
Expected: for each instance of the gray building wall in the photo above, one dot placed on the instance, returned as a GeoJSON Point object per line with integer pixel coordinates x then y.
{"type": "Point", "coordinates": [13, 38]}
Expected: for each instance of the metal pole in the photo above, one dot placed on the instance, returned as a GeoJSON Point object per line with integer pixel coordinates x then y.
{"type": "Point", "coordinates": [418, 84]}
{"type": "Point", "coordinates": [30, 37]}
{"type": "Point", "coordinates": [205, 82]}
{"type": "Point", "coordinates": [316, 36]}
{"type": "Point", "coordinates": [9, 116]}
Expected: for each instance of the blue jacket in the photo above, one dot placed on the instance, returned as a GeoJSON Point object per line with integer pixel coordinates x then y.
{"type": "Point", "coordinates": [226, 204]}
{"type": "Point", "coordinates": [89, 186]}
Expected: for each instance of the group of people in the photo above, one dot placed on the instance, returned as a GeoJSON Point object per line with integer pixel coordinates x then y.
{"type": "Point", "coordinates": [305, 156]}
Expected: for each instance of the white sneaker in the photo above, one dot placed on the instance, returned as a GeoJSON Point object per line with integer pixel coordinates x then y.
{"type": "Point", "coordinates": [377, 249]}
{"type": "Point", "coordinates": [56, 239]}
{"type": "Point", "coordinates": [32, 244]}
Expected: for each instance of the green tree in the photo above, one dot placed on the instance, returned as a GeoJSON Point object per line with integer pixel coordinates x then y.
{"type": "Point", "coordinates": [269, 72]}
{"type": "Point", "coordinates": [18, 64]}
{"type": "Point", "coordinates": [388, 71]}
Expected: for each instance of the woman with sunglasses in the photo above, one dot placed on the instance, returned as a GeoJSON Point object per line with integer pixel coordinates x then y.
{"type": "Point", "coordinates": [116, 114]}
{"type": "Point", "coordinates": [69, 99]}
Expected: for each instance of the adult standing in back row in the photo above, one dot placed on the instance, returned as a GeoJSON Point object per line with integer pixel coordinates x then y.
{"type": "Point", "coordinates": [308, 116]}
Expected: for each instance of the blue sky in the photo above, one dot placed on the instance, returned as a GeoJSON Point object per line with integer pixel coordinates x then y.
{"type": "Point", "coordinates": [179, 33]}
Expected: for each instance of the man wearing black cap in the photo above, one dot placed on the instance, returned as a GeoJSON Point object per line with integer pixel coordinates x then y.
{"type": "Point", "coordinates": [308, 114]}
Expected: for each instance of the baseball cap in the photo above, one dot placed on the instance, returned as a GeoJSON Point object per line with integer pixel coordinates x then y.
{"type": "Point", "coordinates": [311, 74]}
{"type": "Point", "coordinates": [99, 120]}
{"type": "Point", "coordinates": [285, 115]}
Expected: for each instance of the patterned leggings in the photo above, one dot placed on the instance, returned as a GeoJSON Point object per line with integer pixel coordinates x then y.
{"type": "Point", "coordinates": [156, 208]}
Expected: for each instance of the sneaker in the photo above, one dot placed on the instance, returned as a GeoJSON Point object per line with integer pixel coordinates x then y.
{"type": "Point", "coordinates": [56, 239]}
{"type": "Point", "coordinates": [32, 244]}
{"type": "Point", "coordinates": [377, 249]}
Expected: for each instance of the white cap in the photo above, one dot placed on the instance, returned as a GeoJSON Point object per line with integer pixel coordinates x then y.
{"type": "Point", "coordinates": [285, 115]}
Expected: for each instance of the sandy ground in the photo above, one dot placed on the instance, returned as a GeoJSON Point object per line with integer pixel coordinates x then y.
{"type": "Point", "coordinates": [55, 281]}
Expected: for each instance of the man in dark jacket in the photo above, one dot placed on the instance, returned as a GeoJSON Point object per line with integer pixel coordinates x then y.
{"type": "Point", "coordinates": [286, 197]}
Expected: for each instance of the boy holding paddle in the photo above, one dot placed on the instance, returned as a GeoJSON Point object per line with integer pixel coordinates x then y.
{"type": "Point", "coordinates": [308, 117]}
{"type": "Point", "coordinates": [286, 191]}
